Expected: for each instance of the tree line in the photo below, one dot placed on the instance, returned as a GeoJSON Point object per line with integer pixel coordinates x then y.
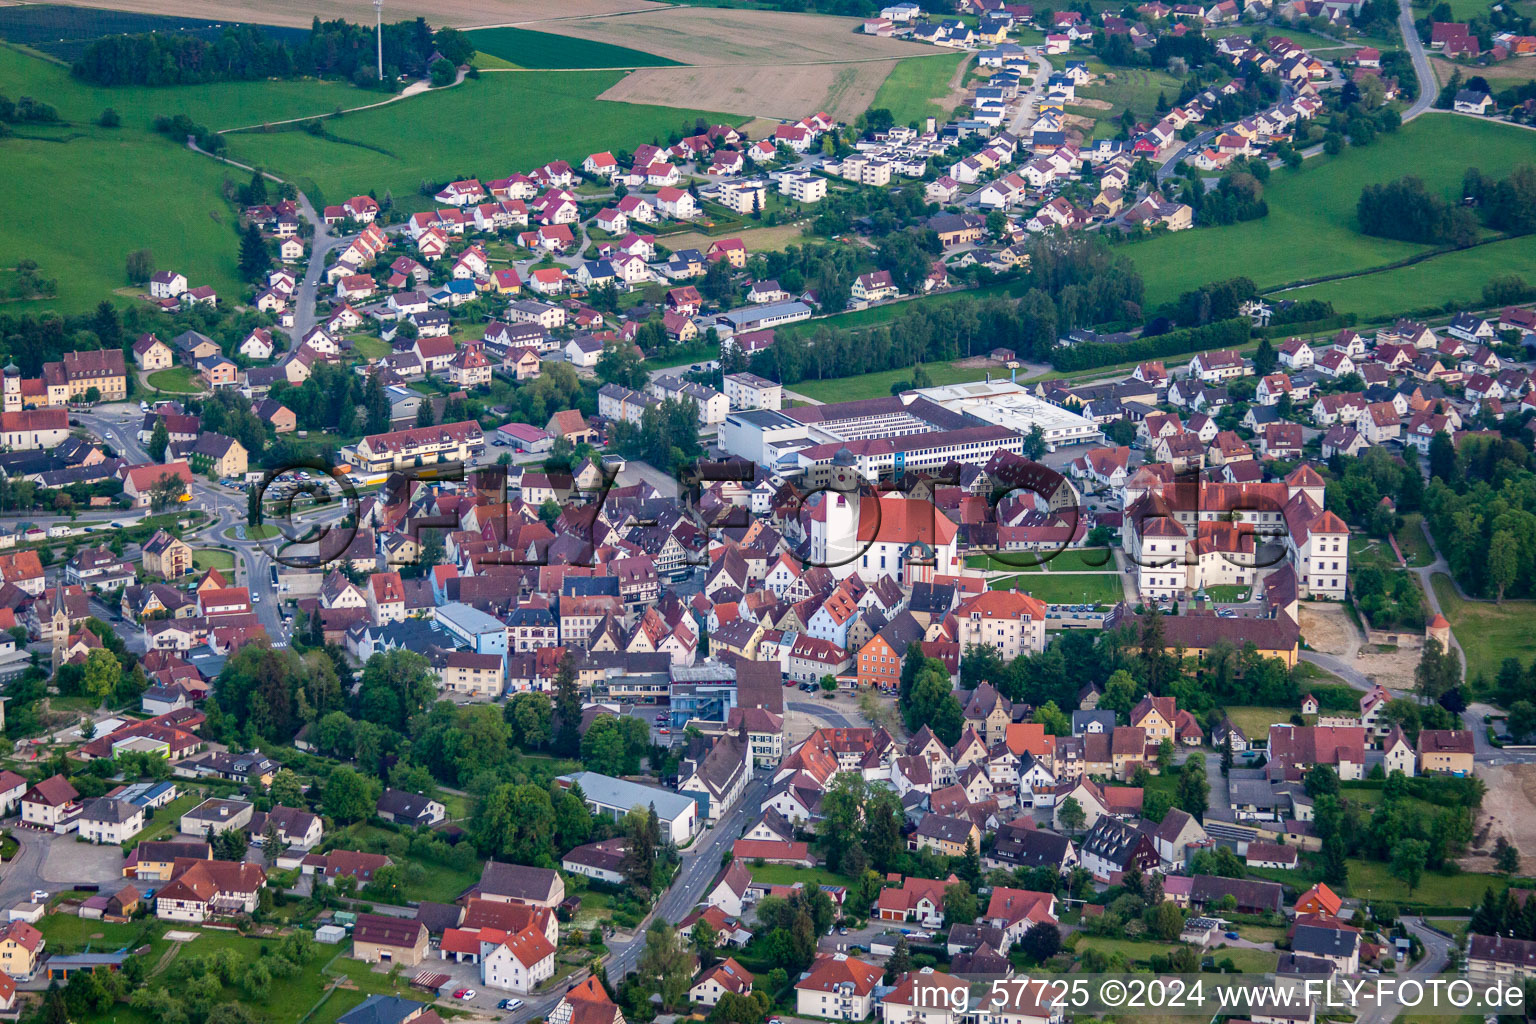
{"type": "Point", "coordinates": [1070, 282]}
{"type": "Point", "coordinates": [333, 49]}
{"type": "Point", "coordinates": [1222, 334]}
{"type": "Point", "coordinates": [1407, 211]}
{"type": "Point", "coordinates": [1481, 508]}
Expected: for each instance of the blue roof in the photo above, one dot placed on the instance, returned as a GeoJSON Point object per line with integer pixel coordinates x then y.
{"type": "Point", "coordinates": [381, 1010]}
{"type": "Point", "coordinates": [461, 286]}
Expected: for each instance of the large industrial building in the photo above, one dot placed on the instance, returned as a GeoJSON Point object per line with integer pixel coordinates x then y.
{"type": "Point", "coordinates": [916, 430]}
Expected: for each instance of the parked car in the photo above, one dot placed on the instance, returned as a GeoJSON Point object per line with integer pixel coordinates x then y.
{"type": "Point", "coordinates": [464, 993]}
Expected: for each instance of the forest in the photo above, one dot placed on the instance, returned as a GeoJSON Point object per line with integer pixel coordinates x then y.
{"type": "Point", "coordinates": [334, 49]}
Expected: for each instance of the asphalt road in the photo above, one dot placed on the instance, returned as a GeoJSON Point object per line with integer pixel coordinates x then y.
{"type": "Point", "coordinates": [117, 424]}
{"type": "Point", "coordinates": [1428, 89]}
{"type": "Point", "coordinates": [700, 864]}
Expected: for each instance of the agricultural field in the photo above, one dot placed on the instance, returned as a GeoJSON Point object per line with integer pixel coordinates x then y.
{"type": "Point", "coordinates": [1487, 632]}
{"type": "Point", "coordinates": [300, 13]}
{"type": "Point", "coordinates": [523, 48]}
{"type": "Point", "coordinates": [1310, 228]}
{"type": "Point", "coordinates": [844, 90]}
{"type": "Point", "coordinates": [487, 127]}
{"type": "Point", "coordinates": [695, 35]}
{"type": "Point", "coordinates": [918, 87]}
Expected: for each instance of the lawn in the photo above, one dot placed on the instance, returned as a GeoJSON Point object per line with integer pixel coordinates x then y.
{"type": "Point", "coordinates": [181, 379]}
{"type": "Point", "coordinates": [1256, 720]}
{"type": "Point", "coordinates": [917, 86]}
{"type": "Point", "coordinates": [786, 874]}
{"type": "Point", "coordinates": [1229, 594]}
{"type": "Point", "coordinates": [1076, 588]}
{"type": "Point", "coordinates": [214, 558]}
{"type": "Point", "coordinates": [1133, 952]}
{"type": "Point", "coordinates": [489, 127]}
{"type": "Point", "coordinates": [1488, 632]}
{"type": "Point", "coordinates": [1371, 880]}
{"type": "Point", "coordinates": [526, 49]}
{"type": "Point", "coordinates": [1080, 560]}
{"type": "Point", "coordinates": [1310, 228]}
{"type": "Point", "coordinates": [1028, 561]}
{"type": "Point", "coordinates": [366, 346]}
{"type": "Point", "coordinates": [167, 820]}
{"type": "Point", "coordinates": [878, 385]}
{"type": "Point", "coordinates": [1413, 542]}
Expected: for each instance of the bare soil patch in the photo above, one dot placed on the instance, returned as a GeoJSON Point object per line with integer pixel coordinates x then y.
{"type": "Point", "coordinates": [977, 362]}
{"type": "Point", "coordinates": [300, 13]}
{"type": "Point", "coordinates": [1327, 629]}
{"type": "Point", "coordinates": [1509, 809]}
{"type": "Point", "coordinates": [707, 35]}
{"type": "Point", "coordinates": [1092, 104]}
{"type": "Point", "coordinates": [1509, 71]}
{"type": "Point", "coordinates": [842, 90]}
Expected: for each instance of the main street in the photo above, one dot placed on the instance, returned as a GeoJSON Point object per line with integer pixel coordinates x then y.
{"type": "Point", "coordinates": [117, 424]}
{"type": "Point", "coordinates": [700, 863]}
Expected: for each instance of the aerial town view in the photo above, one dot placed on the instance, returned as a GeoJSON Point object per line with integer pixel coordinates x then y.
{"type": "Point", "coordinates": [767, 511]}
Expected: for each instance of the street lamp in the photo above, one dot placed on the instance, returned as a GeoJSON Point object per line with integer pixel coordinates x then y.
{"type": "Point", "coordinates": [378, 28]}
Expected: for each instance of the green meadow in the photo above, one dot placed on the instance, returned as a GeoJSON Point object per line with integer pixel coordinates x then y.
{"type": "Point", "coordinates": [1310, 230]}
{"type": "Point", "coordinates": [487, 127]}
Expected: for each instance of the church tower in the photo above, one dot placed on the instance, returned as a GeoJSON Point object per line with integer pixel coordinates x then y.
{"type": "Point", "coordinates": [12, 388]}
{"type": "Point", "coordinates": [60, 625]}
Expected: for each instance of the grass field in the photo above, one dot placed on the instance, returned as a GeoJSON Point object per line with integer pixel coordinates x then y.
{"type": "Point", "coordinates": [1411, 539]}
{"type": "Point", "coordinates": [1123, 89]}
{"type": "Point", "coordinates": [1081, 560]}
{"type": "Point", "coordinates": [1256, 720]}
{"type": "Point", "coordinates": [875, 385]}
{"type": "Point", "coordinates": [1371, 880]}
{"type": "Point", "coordinates": [1488, 632]}
{"type": "Point", "coordinates": [1075, 588]}
{"type": "Point", "coordinates": [161, 198]}
{"type": "Point", "coordinates": [489, 127]}
{"type": "Point", "coordinates": [218, 105]}
{"type": "Point", "coordinates": [775, 239]}
{"type": "Point", "coordinates": [527, 49]}
{"type": "Point", "coordinates": [1461, 10]}
{"type": "Point", "coordinates": [180, 379]}
{"type": "Point", "coordinates": [917, 86]}
{"type": "Point", "coordinates": [214, 558]}
{"type": "Point", "coordinates": [1247, 960]}
{"type": "Point", "coordinates": [1310, 230]}
{"type": "Point", "coordinates": [1450, 277]}
{"type": "Point", "coordinates": [883, 314]}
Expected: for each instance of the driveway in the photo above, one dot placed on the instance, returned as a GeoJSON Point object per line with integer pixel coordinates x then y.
{"type": "Point", "coordinates": [57, 863]}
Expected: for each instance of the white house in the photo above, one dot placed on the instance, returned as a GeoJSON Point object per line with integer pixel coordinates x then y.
{"type": "Point", "coordinates": [520, 963]}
